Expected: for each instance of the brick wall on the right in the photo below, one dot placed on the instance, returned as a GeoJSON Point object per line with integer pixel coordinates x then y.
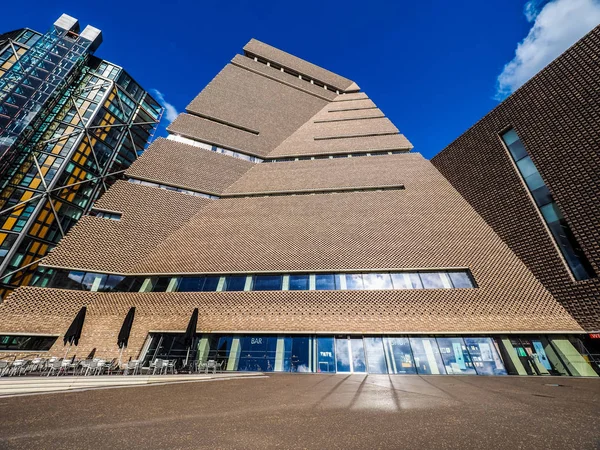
{"type": "Point", "coordinates": [557, 116]}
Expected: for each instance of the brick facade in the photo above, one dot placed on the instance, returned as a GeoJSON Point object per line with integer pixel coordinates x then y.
{"type": "Point", "coordinates": [557, 116]}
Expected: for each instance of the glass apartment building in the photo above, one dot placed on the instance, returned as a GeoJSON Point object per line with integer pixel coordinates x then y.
{"type": "Point", "coordinates": [70, 124]}
{"type": "Point", "coordinates": [291, 212]}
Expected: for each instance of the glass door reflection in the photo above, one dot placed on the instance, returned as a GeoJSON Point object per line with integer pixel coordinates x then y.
{"type": "Point", "coordinates": [350, 355]}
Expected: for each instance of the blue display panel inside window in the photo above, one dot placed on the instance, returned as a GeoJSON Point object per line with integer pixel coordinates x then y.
{"type": "Point", "coordinates": [558, 226]}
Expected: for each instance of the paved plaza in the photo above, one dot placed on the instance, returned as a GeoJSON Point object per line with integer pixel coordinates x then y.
{"type": "Point", "coordinates": [314, 411]}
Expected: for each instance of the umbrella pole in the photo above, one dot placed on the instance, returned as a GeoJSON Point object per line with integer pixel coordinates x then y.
{"type": "Point", "coordinates": [187, 356]}
{"type": "Point", "coordinates": [67, 352]}
{"type": "Point", "coordinates": [121, 356]}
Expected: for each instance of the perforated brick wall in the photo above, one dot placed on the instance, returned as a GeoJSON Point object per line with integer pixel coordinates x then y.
{"type": "Point", "coordinates": [557, 116]}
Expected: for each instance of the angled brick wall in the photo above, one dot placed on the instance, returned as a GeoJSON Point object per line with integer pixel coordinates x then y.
{"type": "Point", "coordinates": [557, 116]}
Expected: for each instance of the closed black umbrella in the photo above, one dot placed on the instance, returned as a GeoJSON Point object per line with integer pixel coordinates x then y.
{"type": "Point", "coordinates": [190, 333]}
{"type": "Point", "coordinates": [74, 331]}
{"type": "Point", "coordinates": [123, 338]}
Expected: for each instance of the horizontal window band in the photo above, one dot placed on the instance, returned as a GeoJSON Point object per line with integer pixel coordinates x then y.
{"type": "Point", "coordinates": [278, 80]}
{"type": "Point", "coordinates": [315, 191]}
{"type": "Point", "coordinates": [382, 116]}
{"type": "Point", "coordinates": [292, 72]}
{"type": "Point", "coordinates": [354, 154]}
{"type": "Point", "coordinates": [349, 99]}
{"type": "Point", "coordinates": [269, 281]}
{"type": "Point", "coordinates": [169, 187]}
{"type": "Point", "coordinates": [222, 122]}
{"type": "Point", "coordinates": [352, 109]}
{"type": "Point", "coordinates": [213, 147]}
{"type": "Point", "coordinates": [352, 136]}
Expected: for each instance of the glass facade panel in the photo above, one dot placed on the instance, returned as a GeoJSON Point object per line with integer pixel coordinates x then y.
{"type": "Point", "coordinates": [427, 356]}
{"type": "Point", "coordinates": [455, 356]}
{"type": "Point", "coordinates": [325, 354]}
{"type": "Point", "coordinates": [325, 282]}
{"type": "Point", "coordinates": [301, 354]}
{"type": "Point", "coordinates": [299, 282]}
{"type": "Point", "coordinates": [460, 279]}
{"type": "Point", "coordinates": [191, 284]}
{"type": "Point", "coordinates": [399, 355]}
{"type": "Point", "coordinates": [375, 355]}
{"type": "Point", "coordinates": [376, 281]}
{"type": "Point", "coordinates": [26, 343]}
{"type": "Point", "coordinates": [210, 284]}
{"type": "Point", "coordinates": [257, 353]}
{"type": "Point", "coordinates": [354, 281]}
{"type": "Point", "coordinates": [435, 280]}
{"type": "Point", "coordinates": [358, 355]}
{"type": "Point", "coordinates": [484, 355]}
{"type": "Point", "coordinates": [267, 283]}
{"type": "Point", "coordinates": [342, 354]}
{"type": "Point", "coordinates": [559, 228]}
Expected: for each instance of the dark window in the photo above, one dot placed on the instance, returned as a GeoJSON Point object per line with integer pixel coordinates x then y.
{"type": "Point", "coordinates": [116, 283]}
{"type": "Point", "coordinates": [235, 283]}
{"type": "Point", "coordinates": [210, 284]}
{"type": "Point", "coordinates": [267, 283]}
{"type": "Point", "coordinates": [161, 284]}
{"type": "Point", "coordinates": [191, 284]}
{"type": "Point", "coordinates": [299, 282]}
{"type": "Point", "coordinates": [26, 343]}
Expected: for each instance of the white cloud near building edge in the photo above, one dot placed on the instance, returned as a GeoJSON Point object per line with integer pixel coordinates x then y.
{"type": "Point", "coordinates": [171, 112]}
{"type": "Point", "coordinates": [557, 25]}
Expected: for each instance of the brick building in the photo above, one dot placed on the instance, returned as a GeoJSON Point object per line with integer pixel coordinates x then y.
{"type": "Point", "coordinates": [531, 169]}
{"type": "Point", "coordinates": [290, 211]}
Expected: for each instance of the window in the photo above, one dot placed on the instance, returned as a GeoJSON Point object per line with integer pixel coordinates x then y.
{"type": "Point", "coordinates": [26, 343]}
{"type": "Point", "coordinates": [435, 280]}
{"type": "Point", "coordinates": [91, 281]}
{"type": "Point", "coordinates": [267, 283]}
{"type": "Point", "coordinates": [299, 282]}
{"type": "Point", "coordinates": [376, 281]}
{"type": "Point", "coordinates": [558, 226]}
{"type": "Point", "coordinates": [325, 282]}
{"type": "Point", "coordinates": [354, 282]}
{"type": "Point", "coordinates": [235, 283]}
{"type": "Point", "coordinates": [460, 279]}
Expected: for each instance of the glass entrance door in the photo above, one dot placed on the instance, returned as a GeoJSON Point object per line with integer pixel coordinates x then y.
{"type": "Point", "coordinates": [350, 355]}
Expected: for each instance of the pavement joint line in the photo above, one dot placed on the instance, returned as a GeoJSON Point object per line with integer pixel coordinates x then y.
{"type": "Point", "coordinates": [93, 388]}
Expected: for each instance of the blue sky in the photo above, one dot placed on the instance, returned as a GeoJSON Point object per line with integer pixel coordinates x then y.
{"type": "Point", "coordinates": [432, 66]}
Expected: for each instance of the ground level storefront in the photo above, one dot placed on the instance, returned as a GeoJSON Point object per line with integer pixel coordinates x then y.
{"type": "Point", "coordinates": [422, 355]}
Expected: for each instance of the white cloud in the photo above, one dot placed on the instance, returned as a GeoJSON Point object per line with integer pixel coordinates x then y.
{"type": "Point", "coordinates": [556, 26]}
{"type": "Point", "coordinates": [170, 111]}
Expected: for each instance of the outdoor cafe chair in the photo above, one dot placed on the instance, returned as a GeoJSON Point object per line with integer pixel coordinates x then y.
{"type": "Point", "coordinates": [37, 365]}
{"type": "Point", "coordinates": [170, 366]}
{"type": "Point", "coordinates": [18, 367]}
{"type": "Point", "coordinates": [132, 366]}
{"type": "Point", "coordinates": [55, 366]}
{"type": "Point", "coordinates": [100, 366]}
{"type": "Point", "coordinates": [4, 367]}
{"type": "Point", "coordinates": [211, 365]}
{"type": "Point", "coordinates": [87, 366]}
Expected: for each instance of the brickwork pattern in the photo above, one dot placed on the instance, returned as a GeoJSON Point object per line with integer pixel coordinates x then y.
{"type": "Point", "coordinates": [293, 62]}
{"type": "Point", "coordinates": [440, 311]}
{"type": "Point", "coordinates": [149, 215]}
{"type": "Point", "coordinates": [178, 164]}
{"type": "Point", "coordinates": [557, 116]}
